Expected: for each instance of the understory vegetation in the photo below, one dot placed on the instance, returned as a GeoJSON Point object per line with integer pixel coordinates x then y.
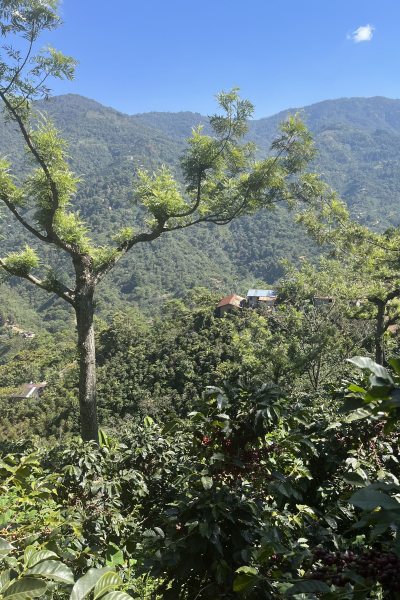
{"type": "Point", "coordinates": [241, 456]}
{"type": "Point", "coordinates": [253, 494]}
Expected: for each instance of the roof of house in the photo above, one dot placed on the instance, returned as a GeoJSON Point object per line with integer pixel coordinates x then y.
{"type": "Point", "coordinates": [259, 293]}
{"type": "Point", "coordinates": [234, 300]}
{"type": "Point", "coordinates": [28, 390]}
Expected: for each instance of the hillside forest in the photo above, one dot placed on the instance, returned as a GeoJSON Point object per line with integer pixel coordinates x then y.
{"type": "Point", "coordinates": [252, 453]}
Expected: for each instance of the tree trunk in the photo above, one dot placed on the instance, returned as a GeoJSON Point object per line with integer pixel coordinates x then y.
{"type": "Point", "coordinates": [380, 330]}
{"type": "Point", "coordinates": [87, 367]}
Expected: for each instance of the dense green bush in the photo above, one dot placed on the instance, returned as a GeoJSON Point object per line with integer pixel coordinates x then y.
{"type": "Point", "coordinates": [252, 495]}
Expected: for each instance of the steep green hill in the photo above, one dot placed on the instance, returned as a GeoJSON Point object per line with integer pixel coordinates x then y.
{"type": "Point", "coordinates": [359, 148]}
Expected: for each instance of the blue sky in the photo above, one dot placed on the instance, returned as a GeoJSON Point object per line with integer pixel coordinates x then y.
{"type": "Point", "coordinates": [153, 55]}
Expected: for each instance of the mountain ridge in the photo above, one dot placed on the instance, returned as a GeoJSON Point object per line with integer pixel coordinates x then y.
{"type": "Point", "coordinates": [108, 148]}
{"type": "Point", "coordinates": [267, 125]}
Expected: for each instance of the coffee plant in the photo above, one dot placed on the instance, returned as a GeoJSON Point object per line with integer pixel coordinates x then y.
{"type": "Point", "coordinates": [253, 495]}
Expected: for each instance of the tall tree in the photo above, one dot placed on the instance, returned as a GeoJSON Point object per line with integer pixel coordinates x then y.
{"type": "Point", "coordinates": [222, 181]}
{"type": "Point", "coordinates": [366, 265]}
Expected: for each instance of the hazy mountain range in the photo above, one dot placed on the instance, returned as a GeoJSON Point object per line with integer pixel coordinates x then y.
{"type": "Point", "coordinates": [359, 155]}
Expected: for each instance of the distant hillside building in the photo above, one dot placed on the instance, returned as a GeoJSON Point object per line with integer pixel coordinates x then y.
{"type": "Point", "coordinates": [320, 300]}
{"type": "Point", "coordinates": [29, 390]}
{"type": "Point", "coordinates": [28, 335]}
{"type": "Point", "coordinates": [261, 298]}
{"type": "Point", "coordinates": [229, 303]}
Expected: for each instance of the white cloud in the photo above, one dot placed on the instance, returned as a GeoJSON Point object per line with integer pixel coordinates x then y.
{"type": "Point", "coordinates": [362, 34]}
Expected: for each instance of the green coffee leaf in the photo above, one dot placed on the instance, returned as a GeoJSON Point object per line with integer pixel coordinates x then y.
{"type": "Point", "coordinates": [39, 556]}
{"type": "Point", "coordinates": [116, 596]}
{"type": "Point", "coordinates": [29, 550]}
{"type": "Point", "coordinates": [207, 482]}
{"type": "Point", "coordinates": [114, 555]}
{"type": "Point", "coordinates": [244, 582]}
{"type": "Point", "coordinates": [6, 577]}
{"type": "Point", "coordinates": [395, 363]}
{"type": "Point", "coordinates": [247, 569]}
{"type": "Point", "coordinates": [85, 584]}
{"type": "Point", "coordinates": [53, 569]}
{"type": "Point", "coordinates": [28, 587]}
{"type": "Point", "coordinates": [367, 363]}
{"type": "Point", "coordinates": [368, 499]}
{"type": "Point", "coordinates": [351, 404]}
{"type": "Point", "coordinates": [307, 587]}
{"type": "Point", "coordinates": [106, 583]}
{"type": "Point", "coordinates": [355, 479]}
{"type": "Point", "coordinates": [331, 522]}
{"type": "Point", "coordinates": [5, 548]}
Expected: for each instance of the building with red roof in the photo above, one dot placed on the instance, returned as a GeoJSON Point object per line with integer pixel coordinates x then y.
{"type": "Point", "coordinates": [229, 303]}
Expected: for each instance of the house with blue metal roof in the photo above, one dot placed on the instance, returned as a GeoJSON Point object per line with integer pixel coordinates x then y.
{"type": "Point", "coordinates": [261, 298]}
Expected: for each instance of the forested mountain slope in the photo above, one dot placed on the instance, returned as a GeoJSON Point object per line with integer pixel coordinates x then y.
{"type": "Point", "coordinates": [358, 141]}
{"type": "Point", "coordinates": [359, 148]}
{"type": "Point", "coordinates": [363, 113]}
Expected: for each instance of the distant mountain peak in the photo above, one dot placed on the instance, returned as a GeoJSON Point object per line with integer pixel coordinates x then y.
{"type": "Point", "coordinates": [372, 113]}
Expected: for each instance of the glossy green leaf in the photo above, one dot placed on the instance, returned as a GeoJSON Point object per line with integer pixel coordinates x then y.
{"type": "Point", "coordinates": [204, 530]}
{"type": "Point", "coordinates": [103, 439]}
{"type": "Point", "coordinates": [395, 363]}
{"type": "Point", "coordinates": [367, 363]}
{"type": "Point", "coordinates": [218, 456]}
{"type": "Point", "coordinates": [331, 521]}
{"type": "Point", "coordinates": [356, 388]}
{"type": "Point", "coordinates": [167, 427]}
{"type": "Point", "coordinates": [307, 587]}
{"type": "Point", "coordinates": [357, 415]}
{"type": "Point", "coordinates": [368, 499]}
{"type": "Point", "coordinates": [24, 588]}
{"type": "Point", "coordinates": [264, 554]}
{"type": "Point", "coordinates": [246, 569]}
{"type": "Point", "coordinates": [29, 551]}
{"type": "Point", "coordinates": [355, 577]}
{"type": "Point", "coordinates": [244, 583]}
{"type": "Point", "coordinates": [116, 596]}
{"type": "Point", "coordinates": [6, 577]}
{"type": "Point", "coordinates": [379, 392]}
{"type": "Point", "coordinates": [105, 583]}
{"type": "Point", "coordinates": [39, 556]}
{"type": "Point", "coordinates": [114, 555]}
{"type": "Point", "coordinates": [32, 459]}
{"type": "Point", "coordinates": [207, 482]}
{"type": "Point", "coordinates": [278, 475]}
{"type": "Point", "coordinates": [85, 584]}
{"type": "Point", "coordinates": [351, 404]}
{"type": "Point", "coordinates": [355, 479]}
{"type": "Point", "coordinates": [5, 548]}
{"type": "Point", "coordinates": [148, 422]}
{"type": "Point", "coordinates": [361, 594]}
{"type": "Point", "coordinates": [53, 569]}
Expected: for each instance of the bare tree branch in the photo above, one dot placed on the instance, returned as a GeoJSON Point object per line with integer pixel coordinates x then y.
{"type": "Point", "coordinates": [21, 219]}
{"type": "Point", "coordinates": [124, 248]}
{"type": "Point", "coordinates": [21, 67]}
